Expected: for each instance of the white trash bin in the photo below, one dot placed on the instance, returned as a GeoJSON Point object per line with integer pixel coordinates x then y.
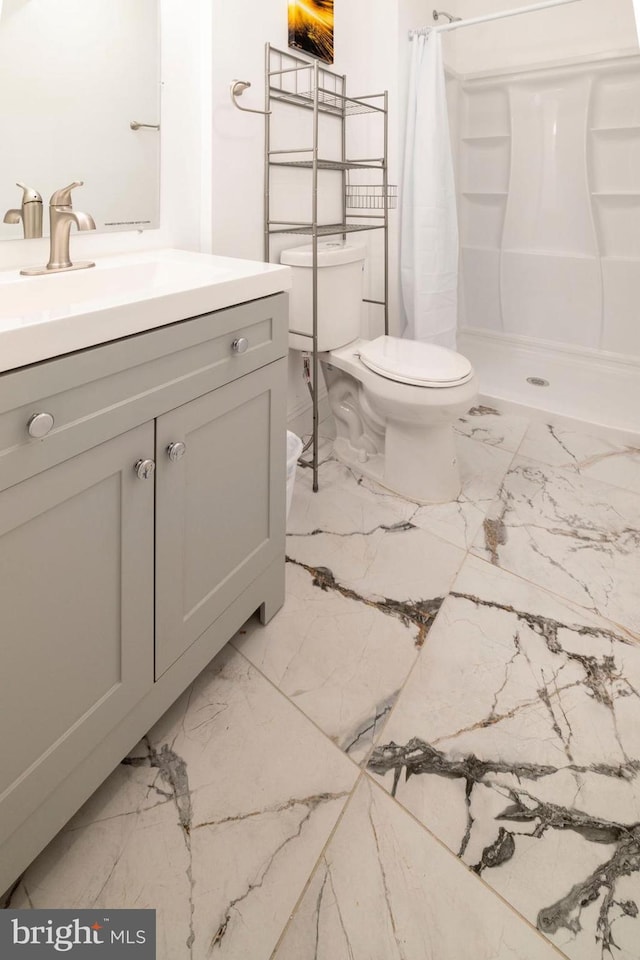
{"type": "Point", "coordinates": [294, 449]}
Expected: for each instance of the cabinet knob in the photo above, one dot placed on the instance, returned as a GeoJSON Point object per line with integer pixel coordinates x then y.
{"type": "Point", "coordinates": [144, 469]}
{"type": "Point", "coordinates": [176, 450]}
{"type": "Point", "coordinates": [40, 424]}
{"type": "Point", "coordinates": [240, 345]}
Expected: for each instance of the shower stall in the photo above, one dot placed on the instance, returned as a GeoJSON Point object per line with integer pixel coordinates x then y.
{"type": "Point", "coordinates": [547, 160]}
{"type": "Point", "coordinates": [549, 204]}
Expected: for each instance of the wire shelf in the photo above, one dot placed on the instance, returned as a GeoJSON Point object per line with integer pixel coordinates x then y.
{"type": "Point", "coordinates": [371, 196]}
{"type": "Point", "coordinates": [328, 229]}
{"type": "Point", "coordinates": [329, 164]}
{"type": "Point", "coordinates": [328, 101]}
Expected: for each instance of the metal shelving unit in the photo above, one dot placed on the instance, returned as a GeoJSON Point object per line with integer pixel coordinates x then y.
{"type": "Point", "coordinates": [295, 82]}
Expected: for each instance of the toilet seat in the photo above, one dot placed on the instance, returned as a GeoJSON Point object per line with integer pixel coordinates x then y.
{"type": "Point", "coordinates": [416, 363]}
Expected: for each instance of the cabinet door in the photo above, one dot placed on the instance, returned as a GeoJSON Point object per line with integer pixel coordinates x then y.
{"type": "Point", "coordinates": [76, 607]}
{"type": "Point", "coordinates": [220, 506]}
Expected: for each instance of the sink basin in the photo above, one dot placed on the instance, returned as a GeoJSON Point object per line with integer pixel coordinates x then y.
{"type": "Point", "coordinates": [46, 316]}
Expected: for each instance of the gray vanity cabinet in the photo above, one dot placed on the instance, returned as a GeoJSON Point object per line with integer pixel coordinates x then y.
{"type": "Point", "coordinates": [119, 583]}
{"type": "Point", "coordinates": [76, 589]}
{"type": "Point", "coordinates": [217, 507]}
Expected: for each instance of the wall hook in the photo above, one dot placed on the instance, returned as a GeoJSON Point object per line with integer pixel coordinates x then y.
{"type": "Point", "coordinates": [237, 88]}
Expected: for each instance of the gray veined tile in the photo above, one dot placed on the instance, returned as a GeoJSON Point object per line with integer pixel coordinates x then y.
{"type": "Point", "coordinates": [357, 610]}
{"type": "Point", "coordinates": [399, 564]}
{"type": "Point", "coordinates": [384, 889]}
{"type": "Point", "coordinates": [487, 425]}
{"type": "Point", "coordinates": [585, 452]}
{"type": "Point", "coordinates": [574, 535]}
{"type": "Point", "coordinates": [482, 470]}
{"type": "Point", "coordinates": [347, 503]}
{"type": "Point", "coordinates": [227, 804]}
{"type": "Point", "coordinates": [515, 741]}
{"type": "Point", "coordinates": [344, 503]}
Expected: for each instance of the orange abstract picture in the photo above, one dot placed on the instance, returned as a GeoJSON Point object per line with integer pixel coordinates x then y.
{"type": "Point", "coordinates": [311, 27]}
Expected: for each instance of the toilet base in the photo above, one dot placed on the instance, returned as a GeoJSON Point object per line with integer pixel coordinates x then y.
{"type": "Point", "coordinates": [421, 462]}
{"type": "Point", "coordinates": [418, 484]}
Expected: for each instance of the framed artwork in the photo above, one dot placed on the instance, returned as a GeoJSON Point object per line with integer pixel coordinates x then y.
{"type": "Point", "coordinates": [311, 28]}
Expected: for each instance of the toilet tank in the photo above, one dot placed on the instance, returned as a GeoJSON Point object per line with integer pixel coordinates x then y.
{"type": "Point", "coordinates": [340, 278]}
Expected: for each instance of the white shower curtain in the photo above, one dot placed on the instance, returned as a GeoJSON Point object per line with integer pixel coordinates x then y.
{"type": "Point", "coordinates": [429, 235]}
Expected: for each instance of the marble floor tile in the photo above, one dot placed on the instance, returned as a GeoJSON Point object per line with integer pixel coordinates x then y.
{"type": "Point", "coordinates": [344, 503]}
{"type": "Point", "coordinates": [490, 426]}
{"type": "Point", "coordinates": [349, 503]}
{"type": "Point", "coordinates": [384, 889]}
{"type": "Point", "coordinates": [586, 452]}
{"type": "Point", "coordinates": [365, 580]}
{"type": "Point", "coordinates": [574, 535]}
{"type": "Point", "coordinates": [499, 708]}
{"type": "Point", "coordinates": [482, 470]}
{"type": "Point", "coordinates": [396, 566]}
{"type": "Point", "coordinates": [516, 742]}
{"type": "Point", "coordinates": [216, 820]}
{"type": "Point", "coordinates": [358, 607]}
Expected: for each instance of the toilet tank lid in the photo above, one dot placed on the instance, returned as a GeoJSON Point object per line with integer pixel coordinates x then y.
{"type": "Point", "coordinates": [331, 253]}
{"type": "Point", "coordinates": [418, 363]}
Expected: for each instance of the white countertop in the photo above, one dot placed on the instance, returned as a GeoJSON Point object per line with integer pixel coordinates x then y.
{"type": "Point", "coordinates": [47, 316]}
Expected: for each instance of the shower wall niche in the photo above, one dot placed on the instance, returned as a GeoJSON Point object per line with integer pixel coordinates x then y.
{"type": "Point", "coordinates": [549, 183]}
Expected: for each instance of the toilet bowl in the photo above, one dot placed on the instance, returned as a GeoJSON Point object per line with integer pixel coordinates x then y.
{"type": "Point", "coordinates": [393, 400]}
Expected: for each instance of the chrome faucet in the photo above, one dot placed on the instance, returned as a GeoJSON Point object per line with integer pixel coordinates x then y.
{"type": "Point", "coordinates": [62, 216]}
{"type": "Point", "coordinates": [30, 213]}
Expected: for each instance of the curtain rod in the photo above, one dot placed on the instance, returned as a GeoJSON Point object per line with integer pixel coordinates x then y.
{"type": "Point", "coordinates": [491, 16]}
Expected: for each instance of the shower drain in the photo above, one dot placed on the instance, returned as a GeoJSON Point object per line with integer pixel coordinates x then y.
{"type": "Point", "coordinates": [537, 381]}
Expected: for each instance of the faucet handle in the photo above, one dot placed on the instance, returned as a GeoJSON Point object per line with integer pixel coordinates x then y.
{"type": "Point", "coordinates": [29, 194]}
{"type": "Point", "coordinates": [62, 198]}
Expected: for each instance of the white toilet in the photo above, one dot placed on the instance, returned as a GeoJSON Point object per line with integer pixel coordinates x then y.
{"type": "Point", "coordinates": [394, 401]}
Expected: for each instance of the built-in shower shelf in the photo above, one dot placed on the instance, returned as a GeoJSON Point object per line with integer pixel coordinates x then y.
{"type": "Point", "coordinates": [487, 136]}
{"type": "Point", "coordinates": [556, 254]}
{"type": "Point", "coordinates": [617, 194]}
{"type": "Point", "coordinates": [629, 129]}
{"type": "Point", "coordinates": [485, 193]}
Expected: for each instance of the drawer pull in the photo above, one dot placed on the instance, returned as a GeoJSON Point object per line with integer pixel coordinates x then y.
{"type": "Point", "coordinates": [144, 469]}
{"type": "Point", "coordinates": [240, 345]}
{"type": "Point", "coordinates": [176, 450]}
{"type": "Point", "coordinates": [40, 424]}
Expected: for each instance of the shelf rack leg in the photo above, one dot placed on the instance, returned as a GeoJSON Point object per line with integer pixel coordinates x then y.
{"type": "Point", "coordinates": [277, 70]}
{"type": "Point", "coordinates": [314, 241]}
{"type": "Point", "coordinates": [385, 191]}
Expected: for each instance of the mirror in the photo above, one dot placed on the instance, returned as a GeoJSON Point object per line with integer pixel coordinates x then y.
{"type": "Point", "coordinates": [74, 74]}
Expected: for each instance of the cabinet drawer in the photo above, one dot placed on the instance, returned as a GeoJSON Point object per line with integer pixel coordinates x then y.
{"type": "Point", "coordinates": [98, 393]}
